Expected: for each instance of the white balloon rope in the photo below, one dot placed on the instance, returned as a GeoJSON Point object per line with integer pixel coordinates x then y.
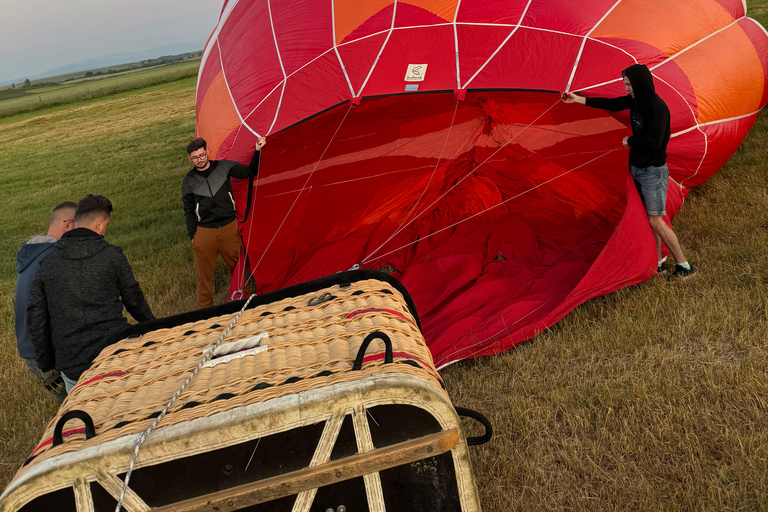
{"type": "Point", "coordinates": [253, 270]}
{"type": "Point", "coordinates": [500, 203]}
{"type": "Point", "coordinates": [472, 171]}
{"type": "Point", "coordinates": [146, 433]}
{"type": "Point", "coordinates": [403, 224]}
{"type": "Point", "coordinates": [241, 282]}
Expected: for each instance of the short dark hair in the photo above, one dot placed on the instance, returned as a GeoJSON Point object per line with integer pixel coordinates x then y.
{"type": "Point", "coordinates": [196, 144]}
{"type": "Point", "coordinates": [92, 206]}
{"type": "Point", "coordinates": [65, 205]}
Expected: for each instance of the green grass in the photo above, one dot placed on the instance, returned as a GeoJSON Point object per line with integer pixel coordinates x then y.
{"type": "Point", "coordinates": [37, 98]}
{"type": "Point", "coordinates": [652, 398]}
{"type": "Point", "coordinates": [129, 147]}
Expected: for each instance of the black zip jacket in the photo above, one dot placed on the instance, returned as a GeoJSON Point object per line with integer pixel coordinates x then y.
{"type": "Point", "coordinates": [649, 116]}
{"type": "Point", "coordinates": [77, 301]}
{"type": "Point", "coordinates": [207, 195]}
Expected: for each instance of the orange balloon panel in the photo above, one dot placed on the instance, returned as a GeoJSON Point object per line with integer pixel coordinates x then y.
{"type": "Point", "coordinates": [350, 14]}
{"type": "Point", "coordinates": [731, 82]}
{"type": "Point", "coordinates": [217, 117]}
{"type": "Point", "coordinates": [446, 9]}
{"type": "Point", "coordinates": [668, 26]}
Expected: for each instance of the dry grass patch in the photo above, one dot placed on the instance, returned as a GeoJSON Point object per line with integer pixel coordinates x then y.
{"type": "Point", "coordinates": [653, 398]}
{"type": "Point", "coordinates": [105, 119]}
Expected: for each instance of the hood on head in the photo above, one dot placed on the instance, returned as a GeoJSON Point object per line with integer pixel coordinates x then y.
{"type": "Point", "coordinates": [642, 82]}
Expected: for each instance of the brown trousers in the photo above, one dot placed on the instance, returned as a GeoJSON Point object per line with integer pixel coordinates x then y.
{"type": "Point", "coordinates": [207, 244]}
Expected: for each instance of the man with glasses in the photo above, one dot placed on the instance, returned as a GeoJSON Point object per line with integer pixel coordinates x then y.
{"type": "Point", "coordinates": [28, 259]}
{"type": "Point", "coordinates": [209, 212]}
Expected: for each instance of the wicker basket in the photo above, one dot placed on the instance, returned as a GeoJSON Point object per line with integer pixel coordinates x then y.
{"type": "Point", "coordinates": [323, 395]}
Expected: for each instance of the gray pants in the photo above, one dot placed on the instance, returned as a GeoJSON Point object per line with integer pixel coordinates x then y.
{"type": "Point", "coordinates": [35, 369]}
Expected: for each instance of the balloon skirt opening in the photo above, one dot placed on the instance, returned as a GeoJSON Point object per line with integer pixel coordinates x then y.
{"type": "Point", "coordinates": [499, 213]}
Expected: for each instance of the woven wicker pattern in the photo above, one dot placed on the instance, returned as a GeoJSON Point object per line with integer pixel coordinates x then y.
{"type": "Point", "coordinates": [308, 346]}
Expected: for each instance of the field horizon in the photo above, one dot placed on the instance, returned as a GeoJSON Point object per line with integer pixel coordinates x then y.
{"type": "Point", "coordinates": [650, 398]}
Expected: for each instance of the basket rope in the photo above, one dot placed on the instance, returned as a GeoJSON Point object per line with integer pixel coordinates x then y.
{"type": "Point", "coordinates": [146, 433]}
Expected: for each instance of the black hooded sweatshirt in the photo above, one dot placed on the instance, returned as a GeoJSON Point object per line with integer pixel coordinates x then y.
{"type": "Point", "coordinates": [77, 300]}
{"type": "Point", "coordinates": [649, 116]}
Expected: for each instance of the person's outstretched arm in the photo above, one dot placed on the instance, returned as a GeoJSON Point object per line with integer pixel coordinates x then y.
{"type": "Point", "coordinates": [252, 169]}
{"type": "Point", "coordinates": [569, 97]}
{"type": "Point", "coordinates": [612, 104]}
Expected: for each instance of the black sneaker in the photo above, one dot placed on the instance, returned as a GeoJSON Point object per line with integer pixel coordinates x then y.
{"type": "Point", "coordinates": [683, 272]}
{"type": "Point", "coordinates": [662, 268]}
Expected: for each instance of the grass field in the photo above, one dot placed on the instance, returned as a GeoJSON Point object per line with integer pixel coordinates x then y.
{"type": "Point", "coordinates": [35, 99]}
{"type": "Point", "coordinates": [652, 398]}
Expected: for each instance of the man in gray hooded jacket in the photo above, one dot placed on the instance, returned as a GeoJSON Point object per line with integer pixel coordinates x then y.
{"type": "Point", "coordinates": [28, 259]}
{"type": "Point", "coordinates": [77, 298]}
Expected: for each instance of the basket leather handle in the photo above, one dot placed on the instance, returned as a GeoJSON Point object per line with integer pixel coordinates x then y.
{"type": "Point", "coordinates": [367, 341]}
{"type": "Point", "coordinates": [480, 418]}
{"type": "Point", "coordinates": [90, 431]}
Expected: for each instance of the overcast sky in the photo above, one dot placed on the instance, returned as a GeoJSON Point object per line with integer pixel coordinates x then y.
{"type": "Point", "coordinates": [39, 35]}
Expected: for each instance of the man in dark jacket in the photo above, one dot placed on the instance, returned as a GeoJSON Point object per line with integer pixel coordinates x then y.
{"type": "Point", "coordinates": [28, 258]}
{"type": "Point", "coordinates": [77, 298]}
{"type": "Point", "coordinates": [209, 211]}
{"type": "Point", "coordinates": [649, 116]}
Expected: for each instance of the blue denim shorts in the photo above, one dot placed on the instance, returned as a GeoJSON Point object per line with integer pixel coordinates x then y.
{"type": "Point", "coordinates": [651, 183]}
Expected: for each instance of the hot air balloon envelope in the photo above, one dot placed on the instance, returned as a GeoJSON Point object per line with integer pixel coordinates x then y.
{"type": "Point", "coordinates": [427, 138]}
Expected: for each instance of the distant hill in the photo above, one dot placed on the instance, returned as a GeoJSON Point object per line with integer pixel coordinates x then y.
{"type": "Point", "coordinates": [114, 59]}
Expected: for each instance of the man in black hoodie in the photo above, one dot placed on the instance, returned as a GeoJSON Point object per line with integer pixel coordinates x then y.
{"type": "Point", "coordinates": [649, 116]}
{"type": "Point", "coordinates": [209, 211]}
{"type": "Point", "coordinates": [28, 259]}
{"type": "Point", "coordinates": [77, 298]}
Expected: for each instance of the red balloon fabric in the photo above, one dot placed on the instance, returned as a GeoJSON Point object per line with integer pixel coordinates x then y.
{"type": "Point", "coordinates": [428, 139]}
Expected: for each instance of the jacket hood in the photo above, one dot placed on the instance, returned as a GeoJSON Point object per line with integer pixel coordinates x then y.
{"type": "Point", "coordinates": [80, 243]}
{"type": "Point", "coordinates": [31, 250]}
{"type": "Point", "coordinates": [642, 83]}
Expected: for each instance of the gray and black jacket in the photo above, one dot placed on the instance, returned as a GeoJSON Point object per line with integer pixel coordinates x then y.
{"type": "Point", "coordinates": [76, 301]}
{"type": "Point", "coordinates": [648, 114]}
{"type": "Point", "coordinates": [207, 195]}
